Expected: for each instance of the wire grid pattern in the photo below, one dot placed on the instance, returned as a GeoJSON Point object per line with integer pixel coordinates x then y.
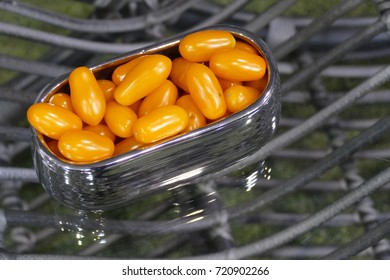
{"type": "Point", "coordinates": [318, 189]}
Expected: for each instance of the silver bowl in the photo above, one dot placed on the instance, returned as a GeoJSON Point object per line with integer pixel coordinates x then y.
{"type": "Point", "coordinates": [117, 181]}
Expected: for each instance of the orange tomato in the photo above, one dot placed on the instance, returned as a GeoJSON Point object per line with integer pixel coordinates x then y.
{"type": "Point", "coordinates": [200, 46]}
{"type": "Point", "coordinates": [52, 120]}
{"type": "Point", "coordinates": [164, 95]}
{"type": "Point", "coordinates": [63, 100]}
{"type": "Point", "coordinates": [108, 88]}
{"type": "Point", "coordinates": [179, 72]}
{"type": "Point", "coordinates": [87, 97]}
{"type": "Point", "coordinates": [143, 78]}
{"type": "Point", "coordinates": [126, 145]}
{"type": "Point", "coordinates": [85, 146]}
{"type": "Point", "coordinates": [195, 116]}
{"type": "Point", "coordinates": [239, 97]}
{"type": "Point", "coordinates": [206, 91]}
{"type": "Point", "coordinates": [120, 119]}
{"type": "Point", "coordinates": [161, 123]}
{"type": "Point", "coordinates": [238, 65]}
{"type": "Point", "coordinates": [240, 45]}
{"type": "Point", "coordinates": [101, 129]}
{"type": "Point", "coordinates": [121, 71]}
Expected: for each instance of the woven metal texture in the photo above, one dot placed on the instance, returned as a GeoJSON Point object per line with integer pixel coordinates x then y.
{"type": "Point", "coordinates": [320, 189]}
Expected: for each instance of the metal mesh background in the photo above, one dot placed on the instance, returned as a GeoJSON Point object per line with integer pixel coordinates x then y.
{"type": "Point", "coordinates": [318, 189]}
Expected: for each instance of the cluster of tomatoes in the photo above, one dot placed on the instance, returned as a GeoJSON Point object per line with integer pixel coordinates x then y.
{"type": "Point", "coordinates": [151, 98]}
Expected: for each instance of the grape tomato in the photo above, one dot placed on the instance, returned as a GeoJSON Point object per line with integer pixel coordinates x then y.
{"type": "Point", "coordinates": [126, 145]}
{"type": "Point", "coordinates": [63, 100]}
{"type": "Point", "coordinates": [108, 88]}
{"type": "Point", "coordinates": [52, 120]}
{"type": "Point", "coordinates": [121, 71]}
{"type": "Point", "coordinates": [206, 91]}
{"type": "Point", "coordinates": [120, 119]}
{"type": "Point", "coordinates": [165, 94]}
{"type": "Point", "coordinates": [87, 96]}
{"type": "Point", "coordinates": [195, 117]}
{"type": "Point", "coordinates": [237, 65]}
{"type": "Point", "coordinates": [85, 146]}
{"type": "Point", "coordinates": [239, 97]}
{"type": "Point", "coordinates": [101, 129]}
{"type": "Point", "coordinates": [143, 78]}
{"type": "Point", "coordinates": [200, 46]}
{"type": "Point", "coordinates": [179, 72]}
{"type": "Point", "coordinates": [160, 123]}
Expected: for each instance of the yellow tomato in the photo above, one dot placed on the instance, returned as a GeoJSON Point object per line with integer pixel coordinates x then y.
{"type": "Point", "coordinates": [53, 147]}
{"type": "Point", "coordinates": [225, 84]}
{"type": "Point", "coordinates": [63, 100]}
{"type": "Point", "coordinates": [52, 120]}
{"type": "Point", "coordinates": [260, 84]}
{"type": "Point", "coordinates": [238, 65]}
{"type": "Point", "coordinates": [206, 91]}
{"type": "Point", "coordinates": [143, 78]}
{"type": "Point", "coordinates": [126, 145]}
{"type": "Point", "coordinates": [85, 146]}
{"type": "Point", "coordinates": [161, 123]}
{"type": "Point", "coordinates": [200, 46]}
{"type": "Point", "coordinates": [164, 95]}
{"type": "Point", "coordinates": [195, 116]}
{"type": "Point", "coordinates": [87, 97]}
{"type": "Point", "coordinates": [121, 71]}
{"type": "Point", "coordinates": [239, 97]}
{"type": "Point", "coordinates": [135, 106]}
{"type": "Point", "coordinates": [108, 88]}
{"type": "Point", "coordinates": [101, 129]}
{"type": "Point", "coordinates": [120, 119]}
{"type": "Point", "coordinates": [179, 72]}
{"type": "Point", "coordinates": [240, 45]}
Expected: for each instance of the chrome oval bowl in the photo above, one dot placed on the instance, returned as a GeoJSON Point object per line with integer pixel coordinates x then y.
{"type": "Point", "coordinates": [117, 181]}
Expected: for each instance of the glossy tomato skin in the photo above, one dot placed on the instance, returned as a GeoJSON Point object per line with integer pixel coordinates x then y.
{"type": "Point", "coordinates": [206, 91]}
{"type": "Point", "coordinates": [225, 84]}
{"type": "Point", "coordinates": [87, 96]}
{"type": "Point", "coordinates": [85, 146]}
{"type": "Point", "coordinates": [179, 72]}
{"type": "Point", "coordinates": [102, 130]}
{"type": "Point", "coordinates": [260, 84]}
{"type": "Point", "coordinates": [240, 45]}
{"type": "Point", "coordinates": [52, 120]}
{"type": "Point", "coordinates": [53, 147]}
{"type": "Point", "coordinates": [121, 71]}
{"type": "Point", "coordinates": [141, 80]}
{"type": "Point", "coordinates": [239, 97]}
{"type": "Point", "coordinates": [120, 119]}
{"type": "Point", "coordinates": [108, 88]}
{"type": "Point", "coordinates": [63, 100]}
{"type": "Point", "coordinates": [238, 65]}
{"type": "Point", "coordinates": [159, 124]}
{"type": "Point", "coordinates": [126, 145]}
{"type": "Point", "coordinates": [165, 94]}
{"type": "Point", "coordinates": [200, 46]}
{"type": "Point", "coordinates": [195, 117]}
